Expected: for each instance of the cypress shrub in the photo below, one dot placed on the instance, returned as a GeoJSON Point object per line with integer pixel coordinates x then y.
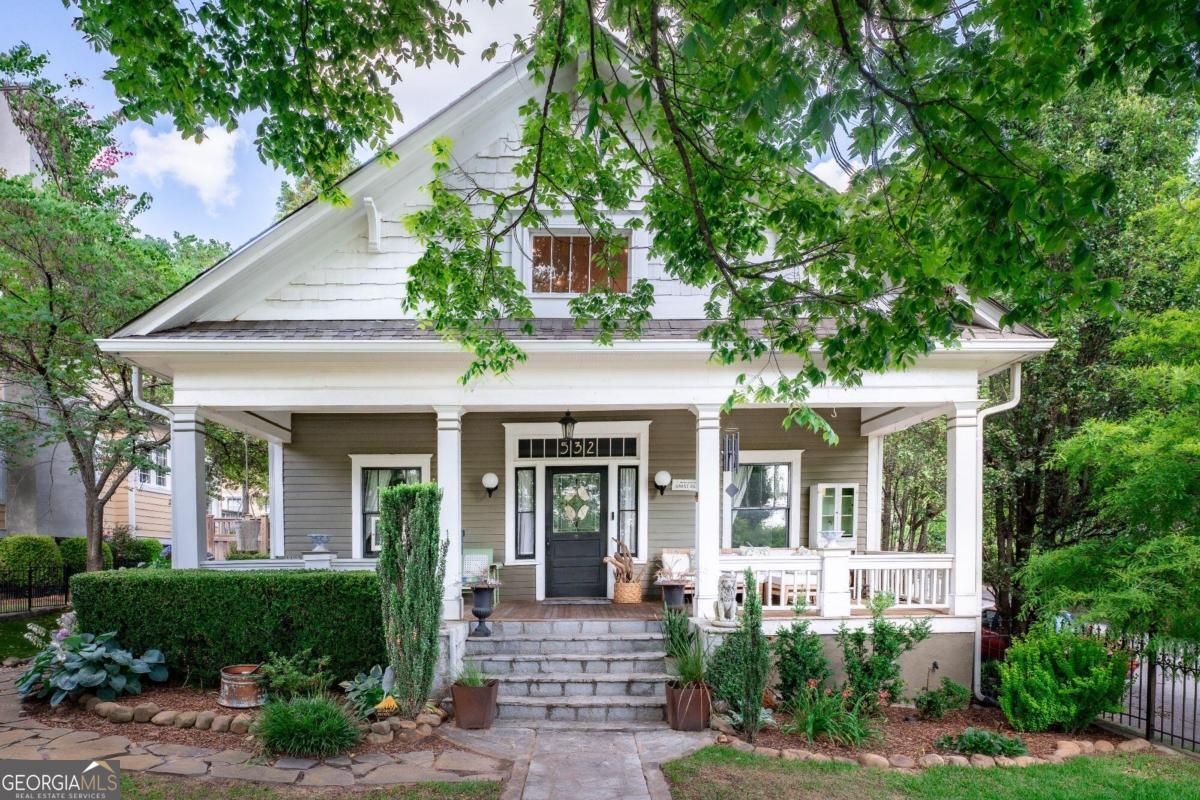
{"type": "Point", "coordinates": [20, 551]}
{"type": "Point", "coordinates": [203, 620]}
{"type": "Point", "coordinates": [412, 566]}
{"type": "Point", "coordinates": [756, 667]}
{"type": "Point", "coordinates": [74, 554]}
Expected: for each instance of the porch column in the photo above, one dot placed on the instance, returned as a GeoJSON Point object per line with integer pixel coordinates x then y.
{"type": "Point", "coordinates": [708, 508]}
{"type": "Point", "coordinates": [189, 500]}
{"type": "Point", "coordinates": [963, 536]}
{"type": "Point", "coordinates": [275, 490]}
{"type": "Point", "coordinates": [449, 476]}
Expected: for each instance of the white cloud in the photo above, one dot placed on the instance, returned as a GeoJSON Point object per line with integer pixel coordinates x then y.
{"type": "Point", "coordinates": [830, 173]}
{"type": "Point", "coordinates": [207, 166]}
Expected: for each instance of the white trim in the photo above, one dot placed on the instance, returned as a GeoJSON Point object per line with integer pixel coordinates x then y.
{"type": "Point", "coordinates": [390, 461]}
{"type": "Point", "coordinates": [814, 516]}
{"type": "Point", "coordinates": [275, 488]}
{"type": "Point", "coordinates": [790, 457]}
{"type": "Point", "coordinates": [874, 492]}
{"type": "Point", "coordinates": [514, 431]}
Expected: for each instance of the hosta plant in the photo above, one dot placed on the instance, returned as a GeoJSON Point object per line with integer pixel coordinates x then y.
{"type": "Point", "coordinates": [368, 689]}
{"type": "Point", "coordinates": [79, 662]}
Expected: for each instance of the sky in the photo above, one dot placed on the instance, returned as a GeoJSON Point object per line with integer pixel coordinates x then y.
{"type": "Point", "coordinates": [220, 188]}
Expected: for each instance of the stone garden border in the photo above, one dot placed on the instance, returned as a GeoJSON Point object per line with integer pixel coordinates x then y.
{"type": "Point", "coordinates": [1065, 749]}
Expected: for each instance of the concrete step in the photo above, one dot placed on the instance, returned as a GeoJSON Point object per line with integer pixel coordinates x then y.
{"type": "Point", "coordinates": [566, 684]}
{"type": "Point", "coordinates": [589, 664]}
{"type": "Point", "coordinates": [564, 643]}
{"type": "Point", "coordinates": [577, 725]}
{"type": "Point", "coordinates": [508, 627]}
{"type": "Point", "coordinates": [582, 709]}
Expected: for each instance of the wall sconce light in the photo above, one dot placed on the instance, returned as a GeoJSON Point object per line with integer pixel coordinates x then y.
{"type": "Point", "coordinates": [662, 479]}
{"type": "Point", "coordinates": [490, 482]}
{"type": "Point", "coordinates": [568, 426]}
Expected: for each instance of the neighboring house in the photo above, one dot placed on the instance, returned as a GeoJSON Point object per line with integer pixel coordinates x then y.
{"type": "Point", "coordinates": [40, 493]}
{"type": "Point", "coordinates": [299, 337]}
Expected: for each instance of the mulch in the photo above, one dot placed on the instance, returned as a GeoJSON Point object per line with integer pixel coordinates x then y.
{"type": "Point", "coordinates": [185, 698]}
{"type": "Point", "coordinates": [904, 733]}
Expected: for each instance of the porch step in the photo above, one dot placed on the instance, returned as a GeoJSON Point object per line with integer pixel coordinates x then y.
{"type": "Point", "coordinates": [564, 644]}
{"type": "Point", "coordinates": [582, 709]}
{"type": "Point", "coordinates": [572, 627]}
{"type": "Point", "coordinates": [634, 684]}
{"type": "Point", "coordinates": [577, 725]}
{"type": "Point", "coordinates": [498, 665]}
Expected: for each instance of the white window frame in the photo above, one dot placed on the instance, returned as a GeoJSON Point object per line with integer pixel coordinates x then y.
{"type": "Point", "coordinates": [814, 515]}
{"type": "Point", "coordinates": [422, 461]}
{"type": "Point", "coordinates": [162, 471]}
{"type": "Point", "coordinates": [522, 256]}
{"type": "Point", "coordinates": [515, 431]}
{"type": "Point", "coordinates": [790, 457]}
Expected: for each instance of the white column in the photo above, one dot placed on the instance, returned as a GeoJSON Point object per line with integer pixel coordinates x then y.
{"type": "Point", "coordinates": [708, 508]}
{"type": "Point", "coordinates": [963, 534]}
{"type": "Point", "coordinates": [834, 596]}
{"type": "Point", "coordinates": [188, 496]}
{"type": "Point", "coordinates": [874, 492]}
{"type": "Point", "coordinates": [449, 478]}
{"type": "Point", "coordinates": [275, 489]}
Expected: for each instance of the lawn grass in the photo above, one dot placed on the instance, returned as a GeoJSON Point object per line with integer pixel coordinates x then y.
{"type": "Point", "coordinates": [716, 773]}
{"type": "Point", "coordinates": [146, 787]}
{"type": "Point", "coordinates": [12, 634]}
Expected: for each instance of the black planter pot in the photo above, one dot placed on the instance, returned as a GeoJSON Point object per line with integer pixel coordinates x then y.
{"type": "Point", "coordinates": [483, 600]}
{"type": "Point", "coordinates": [672, 595]}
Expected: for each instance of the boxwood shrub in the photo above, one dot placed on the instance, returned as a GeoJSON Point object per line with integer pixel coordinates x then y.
{"type": "Point", "coordinates": [203, 620]}
{"type": "Point", "coordinates": [74, 554]}
{"type": "Point", "coordinates": [21, 551]}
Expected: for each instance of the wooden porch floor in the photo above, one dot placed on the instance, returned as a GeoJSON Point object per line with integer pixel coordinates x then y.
{"type": "Point", "coordinates": [531, 610]}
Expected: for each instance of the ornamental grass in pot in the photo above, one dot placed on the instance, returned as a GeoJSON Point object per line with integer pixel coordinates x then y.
{"type": "Point", "coordinates": [474, 698]}
{"type": "Point", "coordinates": [689, 700]}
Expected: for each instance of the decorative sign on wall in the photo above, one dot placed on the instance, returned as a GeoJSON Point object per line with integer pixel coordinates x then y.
{"type": "Point", "coordinates": [684, 485]}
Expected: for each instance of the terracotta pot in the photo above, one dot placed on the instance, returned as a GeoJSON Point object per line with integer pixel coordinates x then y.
{"type": "Point", "coordinates": [475, 706]}
{"type": "Point", "coordinates": [692, 707]}
{"type": "Point", "coordinates": [627, 593]}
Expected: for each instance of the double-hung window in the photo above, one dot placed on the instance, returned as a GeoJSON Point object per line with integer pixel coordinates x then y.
{"type": "Point", "coordinates": [576, 264]}
{"type": "Point", "coordinates": [155, 475]}
{"type": "Point", "coordinates": [762, 505]}
{"type": "Point", "coordinates": [375, 479]}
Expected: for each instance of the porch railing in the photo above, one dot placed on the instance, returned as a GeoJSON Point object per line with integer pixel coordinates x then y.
{"type": "Point", "coordinates": [783, 580]}
{"type": "Point", "coordinates": [914, 580]}
{"type": "Point", "coordinates": [225, 535]}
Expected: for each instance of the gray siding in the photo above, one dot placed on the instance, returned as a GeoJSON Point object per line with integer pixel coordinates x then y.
{"type": "Point", "coordinates": [316, 470]}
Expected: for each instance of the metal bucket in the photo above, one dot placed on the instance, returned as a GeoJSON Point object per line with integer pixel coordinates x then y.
{"type": "Point", "coordinates": [240, 687]}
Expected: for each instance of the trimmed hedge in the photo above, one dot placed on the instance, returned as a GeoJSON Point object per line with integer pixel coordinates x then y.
{"type": "Point", "coordinates": [139, 550]}
{"type": "Point", "coordinates": [74, 554]}
{"type": "Point", "coordinates": [21, 551]}
{"type": "Point", "coordinates": [240, 555]}
{"type": "Point", "coordinates": [203, 620]}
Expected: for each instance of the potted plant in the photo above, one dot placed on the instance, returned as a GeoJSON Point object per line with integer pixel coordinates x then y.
{"type": "Point", "coordinates": [627, 582]}
{"type": "Point", "coordinates": [672, 584]}
{"type": "Point", "coordinates": [474, 698]}
{"type": "Point", "coordinates": [689, 700]}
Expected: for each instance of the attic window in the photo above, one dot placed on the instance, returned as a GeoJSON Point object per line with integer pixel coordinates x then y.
{"type": "Point", "coordinates": [570, 264]}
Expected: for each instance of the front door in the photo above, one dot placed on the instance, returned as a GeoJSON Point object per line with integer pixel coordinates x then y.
{"type": "Point", "coordinates": [576, 531]}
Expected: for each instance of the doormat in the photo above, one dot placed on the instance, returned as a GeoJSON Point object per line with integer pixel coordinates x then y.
{"type": "Point", "coordinates": [578, 601]}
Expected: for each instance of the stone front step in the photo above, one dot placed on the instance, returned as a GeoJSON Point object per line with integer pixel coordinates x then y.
{"type": "Point", "coordinates": [564, 627]}
{"type": "Point", "coordinates": [590, 664]}
{"type": "Point", "coordinates": [637, 684]}
{"type": "Point", "coordinates": [598, 727]}
{"type": "Point", "coordinates": [564, 644]}
{"type": "Point", "coordinates": [582, 709]}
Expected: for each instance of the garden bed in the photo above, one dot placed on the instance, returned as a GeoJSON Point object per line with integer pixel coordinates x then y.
{"type": "Point", "coordinates": [903, 733]}
{"type": "Point", "coordinates": [70, 714]}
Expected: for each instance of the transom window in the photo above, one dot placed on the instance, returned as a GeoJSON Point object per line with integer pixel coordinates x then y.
{"type": "Point", "coordinates": [762, 505]}
{"type": "Point", "coordinates": [572, 264]}
{"type": "Point", "coordinates": [373, 480]}
{"type": "Point", "coordinates": [579, 447]}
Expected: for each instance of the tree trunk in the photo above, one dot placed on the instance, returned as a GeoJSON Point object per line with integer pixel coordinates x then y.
{"type": "Point", "coordinates": [94, 509]}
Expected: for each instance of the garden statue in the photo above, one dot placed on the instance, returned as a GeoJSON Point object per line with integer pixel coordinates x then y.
{"type": "Point", "coordinates": [726, 601]}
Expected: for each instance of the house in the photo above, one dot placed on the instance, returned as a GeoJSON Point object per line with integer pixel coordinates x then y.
{"type": "Point", "coordinates": [40, 492]}
{"type": "Point", "coordinates": [299, 338]}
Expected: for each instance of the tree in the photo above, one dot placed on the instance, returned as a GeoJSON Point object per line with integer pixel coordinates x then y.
{"type": "Point", "coordinates": [72, 269]}
{"type": "Point", "coordinates": [914, 489]}
{"type": "Point", "coordinates": [1032, 501]}
{"type": "Point", "coordinates": [710, 111]}
{"type": "Point", "coordinates": [300, 191]}
{"type": "Point", "coordinates": [235, 458]}
{"type": "Point", "coordinates": [1139, 570]}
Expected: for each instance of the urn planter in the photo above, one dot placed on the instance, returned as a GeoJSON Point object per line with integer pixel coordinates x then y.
{"type": "Point", "coordinates": [483, 602]}
{"type": "Point", "coordinates": [672, 592]}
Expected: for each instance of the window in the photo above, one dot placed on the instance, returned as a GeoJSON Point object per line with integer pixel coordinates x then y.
{"type": "Point", "coordinates": [373, 480]}
{"type": "Point", "coordinates": [577, 264]}
{"type": "Point", "coordinates": [156, 475]}
{"type": "Point", "coordinates": [627, 507]}
{"type": "Point", "coordinates": [762, 505]}
{"type": "Point", "coordinates": [834, 507]}
{"type": "Point", "coordinates": [526, 504]}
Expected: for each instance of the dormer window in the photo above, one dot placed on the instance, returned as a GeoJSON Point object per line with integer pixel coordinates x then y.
{"type": "Point", "coordinates": [573, 264]}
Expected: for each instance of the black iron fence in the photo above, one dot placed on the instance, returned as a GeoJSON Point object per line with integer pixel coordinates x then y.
{"type": "Point", "coordinates": [1162, 699]}
{"type": "Point", "coordinates": [33, 588]}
